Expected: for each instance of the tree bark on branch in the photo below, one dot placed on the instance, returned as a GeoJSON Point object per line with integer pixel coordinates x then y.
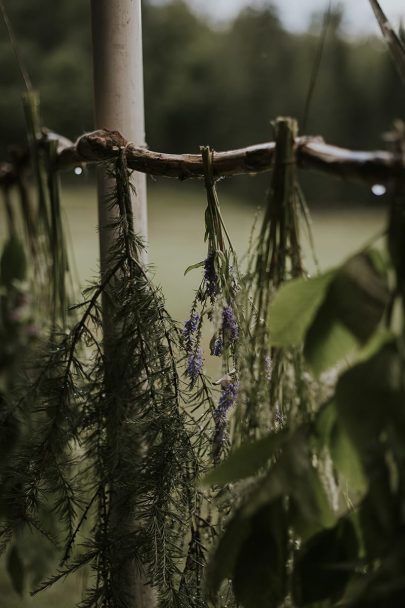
{"type": "Point", "coordinates": [312, 153]}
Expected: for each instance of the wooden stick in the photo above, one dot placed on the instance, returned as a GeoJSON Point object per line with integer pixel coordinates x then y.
{"type": "Point", "coordinates": [312, 153]}
{"type": "Point", "coordinates": [118, 104]}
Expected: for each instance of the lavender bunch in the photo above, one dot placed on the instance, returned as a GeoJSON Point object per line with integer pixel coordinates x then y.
{"type": "Point", "coordinates": [191, 337]}
{"type": "Point", "coordinates": [194, 364]}
{"type": "Point", "coordinates": [210, 277]}
{"type": "Point", "coordinates": [229, 394]}
{"type": "Point", "coordinates": [215, 300]}
{"type": "Point", "coordinates": [274, 385]}
{"type": "Point", "coordinates": [191, 325]}
{"type": "Point", "coordinates": [228, 333]}
{"type": "Point", "coordinates": [230, 327]}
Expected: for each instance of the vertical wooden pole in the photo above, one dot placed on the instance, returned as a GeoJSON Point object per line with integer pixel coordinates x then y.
{"type": "Point", "coordinates": [118, 94]}
{"type": "Point", "coordinates": [118, 103]}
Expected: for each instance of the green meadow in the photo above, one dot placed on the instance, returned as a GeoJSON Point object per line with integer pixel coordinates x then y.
{"type": "Point", "coordinates": [176, 233]}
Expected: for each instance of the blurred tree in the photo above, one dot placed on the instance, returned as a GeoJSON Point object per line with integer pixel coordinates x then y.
{"type": "Point", "coordinates": [206, 84]}
{"type": "Point", "coordinates": [182, 77]}
{"type": "Point", "coordinates": [55, 42]}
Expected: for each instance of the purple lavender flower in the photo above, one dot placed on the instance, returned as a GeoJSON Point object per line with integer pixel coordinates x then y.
{"type": "Point", "coordinates": [210, 276]}
{"type": "Point", "coordinates": [228, 397]}
{"type": "Point", "coordinates": [194, 364]}
{"type": "Point", "coordinates": [226, 401]}
{"type": "Point", "coordinates": [229, 324]}
{"type": "Point", "coordinates": [190, 326]}
{"type": "Point", "coordinates": [218, 347]}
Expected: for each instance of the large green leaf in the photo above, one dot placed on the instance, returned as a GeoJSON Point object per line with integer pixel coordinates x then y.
{"type": "Point", "coordinates": [378, 514]}
{"type": "Point", "coordinates": [368, 395]}
{"type": "Point", "coordinates": [328, 341]}
{"type": "Point", "coordinates": [246, 460]}
{"type": "Point", "coordinates": [294, 307]}
{"type": "Point", "coordinates": [324, 423]}
{"type": "Point", "coordinates": [13, 265]}
{"type": "Point", "coordinates": [324, 565]}
{"type": "Point", "coordinates": [332, 313]}
{"type": "Point", "coordinates": [310, 508]}
{"type": "Point", "coordinates": [347, 462]}
{"type": "Point", "coordinates": [293, 475]}
{"type": "Point", "coordinates": [224, 558]}
{"type": "Point", "coordinates": [378, 340]}
{"type": "Point", "coordinates": [359, 294]}
{"type": "Point", "coordinates": [254, 555]}
{"type": "Point", "coordinates": [260, 575]}
{"type": "Point", "coordinates": [332, 435]}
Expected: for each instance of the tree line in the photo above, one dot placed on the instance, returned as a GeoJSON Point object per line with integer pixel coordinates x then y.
{"type": "Point", "coordinates": [205, 83]}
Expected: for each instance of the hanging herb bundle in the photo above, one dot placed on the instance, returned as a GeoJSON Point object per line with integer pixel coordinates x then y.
{"type": "Point", "coordinates": [34, 297]}
{"type": "Point", "coordinates": [276, 403]}
{"type": "Point", "coordinates": [216, 301]}
{"type": "Point", "coordinates": [42, 221]}
{"type": "Point", "coordinates": [37, 229]}
{"type": "Point", "coordinates": [274, 382]}
{"type": "Point", "coordinates": [115, 452]}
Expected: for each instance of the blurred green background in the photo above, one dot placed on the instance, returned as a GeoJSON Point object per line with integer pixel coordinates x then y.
{"type": "Point", "coordinates": [204, 84]}
{"type": "Point", "coordinates": [207, 83]}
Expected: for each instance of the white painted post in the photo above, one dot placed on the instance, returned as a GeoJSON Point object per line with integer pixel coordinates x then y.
{"type": "Point", "coordinates": [119, 105]}
{"type": "Point", "coordinates": [118, 93]}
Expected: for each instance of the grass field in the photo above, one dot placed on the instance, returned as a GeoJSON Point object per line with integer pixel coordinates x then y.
{"type": "Point", "coordinates": [176, 240]}
{"type": "Point", "coordinates": [176, 217]}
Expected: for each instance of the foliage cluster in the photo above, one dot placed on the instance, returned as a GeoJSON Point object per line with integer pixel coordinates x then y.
{"type": "Point", "coordinates": [115, 429]}
{"type": "Point", "coordinates": [108, 438]}
{"type": "Point", "coordinates": [321, 522]}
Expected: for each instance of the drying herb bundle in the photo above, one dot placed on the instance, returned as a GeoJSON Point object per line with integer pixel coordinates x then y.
{"type": "Point", "coordinates": [216, 301]}
{"type": "Point", "coordinates": [43, 221]}
{"type": "Point", "coordinates": [115, 451]}
{"type": "Point", "coordinates": [274, 384]}
{"type": "Point", "coordinates": [34, 296]}
{"type": "Point", "coordinates": [34, 266]}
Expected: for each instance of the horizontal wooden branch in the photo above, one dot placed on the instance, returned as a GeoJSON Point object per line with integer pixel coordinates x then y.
{"type": "Point", "coordinates": [311, 153]}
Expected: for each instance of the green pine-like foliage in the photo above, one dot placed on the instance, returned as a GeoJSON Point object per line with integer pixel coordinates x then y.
{"type": "Point", "coordinates": [113, 449]}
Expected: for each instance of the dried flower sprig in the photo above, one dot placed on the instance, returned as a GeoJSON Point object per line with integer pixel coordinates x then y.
{"type": "Point", "coordinates": [191, 325]}
{"type": "Point", "coordinates": [215, 300]}
{"type": "Point", "coordinates": [125, 435]}
{"type": "Point", "coordinates": [273, 380]}
{"type": "Point", "coordinates": [227, 399]}
{"type": "Point", "coordinates": [194, 364]}
{"type": "Point", "coordinates": [210, 276]}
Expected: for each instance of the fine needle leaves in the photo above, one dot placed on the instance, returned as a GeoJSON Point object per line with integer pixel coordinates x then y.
{"type": "Point", "coordinates": [113, 436]}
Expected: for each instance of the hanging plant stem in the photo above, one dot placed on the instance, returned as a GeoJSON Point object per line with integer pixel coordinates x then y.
{"type": "Point", "coordinates": [268, 375]}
